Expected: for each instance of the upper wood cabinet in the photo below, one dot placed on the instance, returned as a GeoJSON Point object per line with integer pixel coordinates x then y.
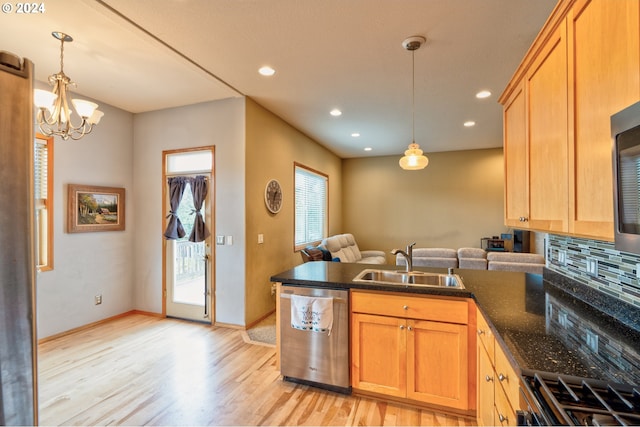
{"type": "Point", "coordinates": [583, 67]}
{"type": "Point", "coordinates": [546, 94]}
{"type": "Point", "coordinates": [604, 42]}
{"type": "Point", "coordinates": [516, 186]}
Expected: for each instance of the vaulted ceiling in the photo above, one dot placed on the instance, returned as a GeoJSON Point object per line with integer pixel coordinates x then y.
{"type": "Point", "coordinates": [144, 55]}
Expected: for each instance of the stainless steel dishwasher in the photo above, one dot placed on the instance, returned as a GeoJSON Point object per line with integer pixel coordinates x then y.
{"type": "Point", "coordinates": [316, 358]}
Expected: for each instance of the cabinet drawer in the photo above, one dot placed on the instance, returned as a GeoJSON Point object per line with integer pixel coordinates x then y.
{"type": "Point", "coordinates": [507, 378]}
{"type": "Point", "coordinates": [505, 414]}
{"type": "Point", "coordinates": [485, 336]}
{"type": "Point", "coordinates": [411, 307]}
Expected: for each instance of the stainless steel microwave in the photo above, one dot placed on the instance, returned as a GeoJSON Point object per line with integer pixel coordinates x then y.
{"type": "Point", "coordinates": [625, 131]}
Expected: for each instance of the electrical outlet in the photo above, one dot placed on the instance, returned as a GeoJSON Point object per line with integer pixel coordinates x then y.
{"type": "Point", "coordinates": [592, 341]}
{"type": "Point", "coordinates": [219, 240]}
{"type": "Point", "coordinates": [562, 319]}
{"type": "Point", "coordinates": [98, 299]}
{"type": "Point", "coordinates": [592, 267]}
{"type": "Point", "coordinates": [228, 240]}
{"type": "Point", "coordinates": [273, 289]}
{"type": "Point", "coordinates": [562, 257]}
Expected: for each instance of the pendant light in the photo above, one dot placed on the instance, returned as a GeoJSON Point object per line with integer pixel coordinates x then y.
{"type": "Point", "coordinates": [413, 158]}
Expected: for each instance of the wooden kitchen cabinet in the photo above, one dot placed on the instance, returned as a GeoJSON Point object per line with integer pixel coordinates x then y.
{"type": "Point", "coordinates": [583, 67]}
{"type": "Point", "coordinates": [411, 347]}
{"type": "Point", "coordinates": [498, 384]}
{"type": "Point", "coordinates": [546, 89]}
{"type": "Point", "coordinates": [516, 207]}
{"type": "Point", "coordinates": [604, 41]}
{"type": "Point", "coordinates": [535, 143]}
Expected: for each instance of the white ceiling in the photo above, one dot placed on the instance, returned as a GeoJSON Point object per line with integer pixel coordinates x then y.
{"type": "Point", "coordinates": [144, 55]}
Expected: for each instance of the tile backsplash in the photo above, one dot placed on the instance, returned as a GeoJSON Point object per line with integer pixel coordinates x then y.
{"type": "Point", "coordinates": [596, 264]}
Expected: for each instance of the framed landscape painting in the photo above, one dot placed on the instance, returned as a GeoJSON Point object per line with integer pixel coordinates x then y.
{"type": "Point", "coordinates": [92, 208]}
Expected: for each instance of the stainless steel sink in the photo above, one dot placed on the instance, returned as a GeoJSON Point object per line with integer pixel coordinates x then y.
{"type": "Point", "coordinates": [414, 278]}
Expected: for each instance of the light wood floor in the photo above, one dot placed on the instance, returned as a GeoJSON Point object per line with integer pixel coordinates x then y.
{"type": "Point", "coordinates": [142, 370]}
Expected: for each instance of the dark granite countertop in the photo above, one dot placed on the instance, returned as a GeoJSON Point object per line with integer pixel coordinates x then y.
{"type": "Point", "coordinates": [541, 322]}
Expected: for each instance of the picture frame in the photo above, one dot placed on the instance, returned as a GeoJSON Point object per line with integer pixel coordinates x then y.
{"type": "Point", "coordinates": [92, 208]}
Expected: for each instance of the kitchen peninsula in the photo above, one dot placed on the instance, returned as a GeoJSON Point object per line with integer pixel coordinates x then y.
{"type": "Point", "coordinates": [539, 323]}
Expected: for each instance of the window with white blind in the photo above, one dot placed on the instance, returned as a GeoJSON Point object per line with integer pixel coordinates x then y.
{"type": "Point", "coordinates": [43, 193]}
{"type": "Point", "coordinates": [311, 205]}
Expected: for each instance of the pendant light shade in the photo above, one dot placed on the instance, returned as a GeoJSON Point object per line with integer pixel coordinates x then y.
{"type": "Point", "coordinates": [413, 158]}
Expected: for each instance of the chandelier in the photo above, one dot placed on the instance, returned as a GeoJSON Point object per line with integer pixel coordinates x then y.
{"type": "Point", "coordinates": [413, 158]}
{"type": "Point", "coordinates": [54, 115]}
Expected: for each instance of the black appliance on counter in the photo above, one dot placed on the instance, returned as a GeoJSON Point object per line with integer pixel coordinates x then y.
{"type": "Point", "coordinates": [552, 399]}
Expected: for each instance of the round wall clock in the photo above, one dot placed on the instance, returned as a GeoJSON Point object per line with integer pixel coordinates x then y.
{"type": "Point", "coordinates": [273, 196]}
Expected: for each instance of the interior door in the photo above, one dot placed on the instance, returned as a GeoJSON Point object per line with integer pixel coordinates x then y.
{"type": "Point", "coordinates": [188, 274]}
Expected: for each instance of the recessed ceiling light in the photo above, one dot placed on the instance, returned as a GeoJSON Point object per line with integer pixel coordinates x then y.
{"type": "Point", "coordinates": [368, 148]}
{"type": "Point", "coordinates": [469, 123]}
{"type": "Point", "coordinates": [355, 134]}
{"type": "Point", "coordinates": [267, 71]}
{"type": "Point", "coordinates": [335, 112]}
{"type": "Point", "coordinates": [483, 94]}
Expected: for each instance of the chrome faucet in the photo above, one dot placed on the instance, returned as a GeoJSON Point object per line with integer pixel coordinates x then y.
{"type": "Point", "coordinates": [407, 255]}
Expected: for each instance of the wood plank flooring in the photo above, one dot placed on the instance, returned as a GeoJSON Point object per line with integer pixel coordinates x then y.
{"type": "Point", "coordinates": [143, 370]}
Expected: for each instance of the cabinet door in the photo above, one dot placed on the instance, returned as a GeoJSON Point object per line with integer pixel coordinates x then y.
{"type": "Point", "coordinates": [486, 381]}
{"type": "Point", "coordinates": [378, 358]}
{"type": "Point", "coordinates": [548, 136]}
{"type": "Point", "coordinates": [516, 187]}
{"type": "Point", "coordinates": [437, 358]}
{"type": "Point", "coordinates": [604, 37]}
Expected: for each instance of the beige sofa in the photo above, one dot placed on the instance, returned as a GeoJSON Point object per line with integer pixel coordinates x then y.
{"type": "Point", "coordinates": [513, 261]}
{"type": "Point", "coordinates": [431, 257]}
{"type": "Point", "coordinates": [345, 248]}
{"type": "Point", "coordinates": [472, 258]}
{"type": "Point", "coordinates": [475, 259]}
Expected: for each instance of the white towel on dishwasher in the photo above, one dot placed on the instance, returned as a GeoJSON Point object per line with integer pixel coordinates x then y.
{"type": "Point", "coordinates": [312, 313]}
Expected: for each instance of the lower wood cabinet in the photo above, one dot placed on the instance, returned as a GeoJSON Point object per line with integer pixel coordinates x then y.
{"type": "Point", "coordinates": [412, 347]}
{"type": "Point", "coordinates": [498, 383]}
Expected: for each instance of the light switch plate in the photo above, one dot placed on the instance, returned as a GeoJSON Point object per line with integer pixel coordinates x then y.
{"type": "Point", "coordinates": [260, 238]}
{"type": "Point", "coordinates": [219, 240]}
{"type": "Point", "coordinates": [229, 240]}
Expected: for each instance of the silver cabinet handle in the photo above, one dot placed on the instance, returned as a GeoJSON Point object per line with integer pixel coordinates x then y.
{"type": "Point", "coordinates": [406, 307]}
{"type": "Point", "coordinates": [410, 328]}
{"type": "Point", "coordinates": [502, 377]}
{"type": "Point", "coordinates": [488, 379]}
{"type": "Point", "coordinates": [502, 418]}
{"type": "Point", "coordinates": [401, 327]}
{"type": "Point", "coordinates": [480, 332]}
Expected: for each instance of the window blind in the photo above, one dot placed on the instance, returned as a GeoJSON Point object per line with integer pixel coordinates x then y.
{"type": "Point", "coordinates": [310, 206]}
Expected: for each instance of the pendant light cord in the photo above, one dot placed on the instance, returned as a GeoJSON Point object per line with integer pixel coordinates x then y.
{"type": "Point", "coordinates": [413, 96]}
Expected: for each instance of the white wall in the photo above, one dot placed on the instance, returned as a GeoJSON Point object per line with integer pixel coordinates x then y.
{"type": "Point", "coordinates": [87, 264]}
{"type": "Point", "coordinates": [221, 124]}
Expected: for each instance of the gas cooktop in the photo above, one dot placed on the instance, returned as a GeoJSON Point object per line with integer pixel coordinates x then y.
{"type": "Point", "coordinates": [564, 400]}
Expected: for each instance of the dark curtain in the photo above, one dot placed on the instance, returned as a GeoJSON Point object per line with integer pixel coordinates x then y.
{"type": "Point", "coordinates": [174, 229]}
{"type": "Point", "coordinates": [199, 187]}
